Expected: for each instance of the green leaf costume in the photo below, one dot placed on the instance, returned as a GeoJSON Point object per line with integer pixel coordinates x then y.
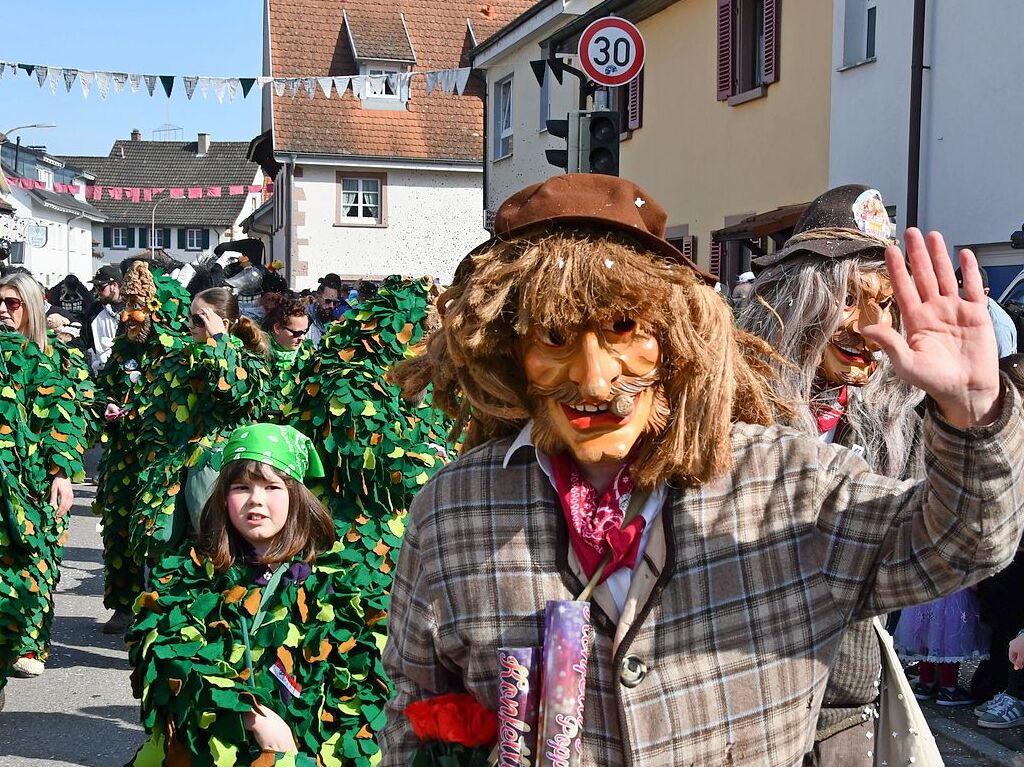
{"type": "Point", "coordinates": [46, 424]}
{"type": "Point", "coordinates": [181, 399]}
{"type": "Point", "coordinates": [285, 366]}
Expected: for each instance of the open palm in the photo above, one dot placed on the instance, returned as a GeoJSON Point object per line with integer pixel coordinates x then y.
{"type": "Point", "coordinates": [950, 347]}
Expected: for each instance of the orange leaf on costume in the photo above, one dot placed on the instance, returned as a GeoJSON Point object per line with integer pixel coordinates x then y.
{"type": "Point", "coordinates": [347, 645]}
{"type": "Point", "coordinates": [285, 657]}
{"type": "Point", "coordinates": [234, 594]}
{"type": "Point", "coordinates": [300, 600]}
{"type": "Point", "coordinates": [321, 654]}
{"type": "Point", "coordinates": [364, 732]}
{"type": "Point", "coordinates": [405, 334]}
{"type": "Point", "coordinates": [223, 385]}
{"type": "Point", "coordinates": [252, 602]}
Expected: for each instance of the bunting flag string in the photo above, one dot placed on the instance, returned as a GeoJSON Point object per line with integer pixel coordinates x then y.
{"type": "Point", "coordinates": [361, 86]}
{"type": "Point", "coordinates": [99, 192]}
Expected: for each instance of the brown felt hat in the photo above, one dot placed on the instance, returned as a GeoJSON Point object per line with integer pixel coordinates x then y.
{"type": "Point", "coordinates": [846, 221]}
{"type": "Point", "coordinates": [608, 202]}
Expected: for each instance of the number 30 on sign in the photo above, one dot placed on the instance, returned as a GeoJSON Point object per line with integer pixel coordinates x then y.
{"type": "Point", "coordinates": [612, 51]}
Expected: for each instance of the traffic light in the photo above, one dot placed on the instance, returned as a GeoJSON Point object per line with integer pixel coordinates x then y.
{"type": "Point", "coordinates": [569, 129]}
{"type": "Point", "coordinates": [599, 143]}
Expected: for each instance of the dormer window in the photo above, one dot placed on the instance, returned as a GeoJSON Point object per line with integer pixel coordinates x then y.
{"type": "Point", "coordinates": [383, 69]}
{"type": "Point", "coordinates": [381, 47]}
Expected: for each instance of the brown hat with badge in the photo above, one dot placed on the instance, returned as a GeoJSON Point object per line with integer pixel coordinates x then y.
{"type": "Point", "coordinates": [608, 202]}
{"type": "Point", "coordinates": [847, 221]}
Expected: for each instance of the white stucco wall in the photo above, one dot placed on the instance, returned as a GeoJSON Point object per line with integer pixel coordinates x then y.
{"type": "Point", "coordinates": [68, 249]}
{"type": "Point", "coordinates": [433, 219]}
{"type": "Point", "coordinates": [972, 165]}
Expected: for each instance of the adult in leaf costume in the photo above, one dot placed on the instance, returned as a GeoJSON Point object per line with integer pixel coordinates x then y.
{"type": "Point", "coordinates": [379, 450]}
{"type": "Point", "coordinates": [46, 397]}
{"type": "Point", "coordinates": [170, 398]}
{"type": "Point", "coordinates": [286, 324]}
{"type": "Point", "coordinates": [257, 625]}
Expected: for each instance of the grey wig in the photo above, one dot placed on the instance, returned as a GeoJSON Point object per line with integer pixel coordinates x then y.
{"type": "Point", "coordinates": [796, 306]}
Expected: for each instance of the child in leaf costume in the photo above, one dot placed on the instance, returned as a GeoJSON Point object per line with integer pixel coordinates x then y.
{"type": "Point", "coordinates": [252, 648]}
{"type": "Point", "coordinates": [286, 323]}
{"type": "Point", "coordinates": [46, 399]}
{"type": "Point", "coordinates": [379, 449]}
{"type": "Point", "coordinates": [170, 397]}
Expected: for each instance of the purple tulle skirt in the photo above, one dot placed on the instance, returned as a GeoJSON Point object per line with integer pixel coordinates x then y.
{"type": "Point", "coordinates": [947, 630]}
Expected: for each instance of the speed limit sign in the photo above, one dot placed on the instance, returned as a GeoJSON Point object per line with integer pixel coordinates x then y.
{"type": "Point", "coordinates": [612, 51]}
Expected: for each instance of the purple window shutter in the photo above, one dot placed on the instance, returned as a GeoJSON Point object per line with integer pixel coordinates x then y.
{"type": "Point", "coordinates": [635, 103]}
{"type": "Point", "coordinates": [771, 41]}
{"type": "Point", "coordinates": [690, 246]}
{"type": "Point", "coordinates": [724, 49]}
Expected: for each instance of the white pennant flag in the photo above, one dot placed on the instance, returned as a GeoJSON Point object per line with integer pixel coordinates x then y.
{"type": "Point", "coordinates": [261, 80]}
{"type": "Point", "coordinates": [310, 85]}
{"type": "Point", "coordinates": [3, 65]}
{"type": "Point", "coordinates": [150, 83]}
{"type": "Point", "coordinates": [376, 85]}
{"type": "Point", "coordinates": [279, 84]}
{"type": "Point", "coordinates": [233, 85]}
{"type": "Point", "coordinates": [341, 85]}
{"type": "Point", "coordinates": [432, 81]}
{"type": "Point", "coordinates": [190, 85]}
{"type": "Point", "coordinates": [55, 76]}
{"type": "Point", "coordinates": [326, 85]}
{"type": "Point", "coordinates": [293, 86]}
{"type": "Point", "coordinates": [119, 78]}
{"type": "Point", "coordinates": [135, 80]}
{"type": "Point", "coordinates": [204, 86]}
{"type": "Point", "coordinates": [69, 78]}
{"type": "Point", "coordinates": [359, 87]}
{"type": "Point", "coordinates": [219, 84]}
{"type": "Point", "coordinates": [86, 78]}
{"type": "Point", "coordinates": [103, 84]}
{"type": "Point", "coordinates": [462, 79]}
{"type": "Point", "coordinates": [41, 73]}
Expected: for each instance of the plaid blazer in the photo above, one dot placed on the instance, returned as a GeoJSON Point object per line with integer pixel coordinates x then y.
{"type": "Point", "coordinates": [766, 567]}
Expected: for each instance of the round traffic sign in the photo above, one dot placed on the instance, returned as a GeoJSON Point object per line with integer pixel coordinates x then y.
{"type": "Point", "coordinates": [612, 51]}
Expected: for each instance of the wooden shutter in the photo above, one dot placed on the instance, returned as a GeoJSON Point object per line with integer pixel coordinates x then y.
{"type": "Point", "coordinates": [206, 239]}
{"type": "Point", "coordinates": [725, 17]}
{"type": "Point", "coordinates": [771, 41]}
{"type": "Point", "coordinates": [635, 103]}
{"type": "Point", "coordinates": [143, 237]}
{"type": "Point", "coordinates": [167, 238]}
{"type": "Point", "coordinates": [131, 236]}
{"type": "Point", "coordinates": [715, 264]}
{"type": "Point", "coordinates": [182, 242]}
{"type": "Point", "coordinates": [689, 246]}
{"type": "Point", "coordinates": [108, 237]}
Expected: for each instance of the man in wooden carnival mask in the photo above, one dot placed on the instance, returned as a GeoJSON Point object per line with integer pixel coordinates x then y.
{"type": "Point", "coordinates": [617, 433]}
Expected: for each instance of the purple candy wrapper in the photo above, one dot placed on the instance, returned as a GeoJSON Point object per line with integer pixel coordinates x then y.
{"type": "Point", "coordinates": [518, 696]}
{"type": "Point", "coordinates": [567, 634]}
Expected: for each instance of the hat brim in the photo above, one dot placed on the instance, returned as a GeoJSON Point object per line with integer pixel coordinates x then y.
{"type": "Point", "coordinates": [825, 247]}
{"type": "Point", "coordinates": [655, 244]}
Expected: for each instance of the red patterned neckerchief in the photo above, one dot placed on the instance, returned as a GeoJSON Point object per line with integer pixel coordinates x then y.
{"type": "Point", "coordinates": [828, 414]}
{"type": "Point", "coordinates": [595, 524]}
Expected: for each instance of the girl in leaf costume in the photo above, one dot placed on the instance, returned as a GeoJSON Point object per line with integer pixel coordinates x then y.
{"type": "Point", "coordinates": [171, 398]}
{"type": "Point", "coordinates": [379, 450]}
{"type": "Point", "coordinates": [286, 324]}
{"type": "Point", "coordinates": [251, 648]}
{"type": "Point", "coordinates": [46, 399]}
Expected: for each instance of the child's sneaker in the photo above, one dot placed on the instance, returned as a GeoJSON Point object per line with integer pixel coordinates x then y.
{"type": "Point", "coordinates": [952, 696]}
{"type": "Point", "coordinates": [924, 691]}
{"type": "Point", "coordinates": [1004, 711]}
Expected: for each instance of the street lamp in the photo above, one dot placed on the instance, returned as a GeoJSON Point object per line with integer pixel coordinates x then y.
{"type": "Point", "coordinates": [17, 148]}
{"type": "Point", "coordinates": [152, 229]}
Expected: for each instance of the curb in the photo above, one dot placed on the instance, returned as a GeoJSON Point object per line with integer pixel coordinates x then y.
{"type": "Point", "coordinates": [974, 741]}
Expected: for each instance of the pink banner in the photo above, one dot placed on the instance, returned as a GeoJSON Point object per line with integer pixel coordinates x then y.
{"type": "Point", "coordinates": [115, 192]}
{"type": "Point", "coordinates": [177, 193]}
{"type": "Point", "coordinates": [255, 189]}
{"type": "Point", "coordinates": [213, 191]}
{"type": "Point", "coordinates": [236, 189]}
{"type": "Point", "coordinates": [134, 193]}
{"type": "Point", "coordinates": [195, 192]}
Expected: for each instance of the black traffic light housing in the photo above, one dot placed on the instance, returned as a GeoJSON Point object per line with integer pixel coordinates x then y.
{"type": "Point", "coordinates": [599, 143]}
{"type": "Point", "coordinates": [560, 129]}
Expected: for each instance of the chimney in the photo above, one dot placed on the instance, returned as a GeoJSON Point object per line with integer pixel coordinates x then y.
{"type": "Point", "coordinates": [136, 135]}
{"type": "Point", "coordinates": [203, 145]}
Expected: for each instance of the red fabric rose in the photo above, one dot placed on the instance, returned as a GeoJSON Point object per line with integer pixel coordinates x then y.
{"type": "Point", "coordinates": [453, 718]}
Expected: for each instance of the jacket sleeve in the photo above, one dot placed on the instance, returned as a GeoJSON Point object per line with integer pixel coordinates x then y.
{"type": "Point", "coordinates": [411, 658]}
{"type": "Point", "coordinates": [64, 411]}
{"type": "Point", "coordinates": [892, 544]}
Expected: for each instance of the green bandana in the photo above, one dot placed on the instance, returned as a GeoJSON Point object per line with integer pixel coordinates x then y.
{"type": "Point", "coordinates": [282, 447]}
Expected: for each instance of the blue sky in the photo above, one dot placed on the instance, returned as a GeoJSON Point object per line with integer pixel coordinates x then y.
{"type": "Point", "coordinates": [220, 38]}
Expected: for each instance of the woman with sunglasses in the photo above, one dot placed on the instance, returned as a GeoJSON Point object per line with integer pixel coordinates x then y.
{"type": "Point", "coordinates": [286, 324]}
{"type": "Point", "coordinates": [46, 402]}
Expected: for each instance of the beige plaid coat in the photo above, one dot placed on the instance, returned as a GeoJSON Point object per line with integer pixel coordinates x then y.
{"type": "Point", "coordinates": [764, 569]}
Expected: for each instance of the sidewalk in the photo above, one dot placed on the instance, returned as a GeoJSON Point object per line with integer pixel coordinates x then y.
{"type": "Point", "coordinates": [963, 743]}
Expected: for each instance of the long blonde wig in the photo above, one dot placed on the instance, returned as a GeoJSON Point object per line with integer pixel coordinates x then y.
{"type": "Point", "coordinates": [32, 299]}
{"type": "Point", "coordinates": [711, 375]}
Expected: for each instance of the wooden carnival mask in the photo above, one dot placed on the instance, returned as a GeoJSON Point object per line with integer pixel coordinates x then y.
{"type": "Point", "coordinates": [849, 358]}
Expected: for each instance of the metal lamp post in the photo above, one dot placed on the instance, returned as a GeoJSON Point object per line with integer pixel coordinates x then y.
{"type": "Point", "coordinates": [17, 149]}
{"type": "Point", "coordinates": [152, 229]}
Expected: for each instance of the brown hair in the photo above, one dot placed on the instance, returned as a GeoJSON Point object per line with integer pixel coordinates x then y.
{"type": "Point", "coordinates": [308, 531]}
{"type": "Point", "coordinates": [225, 304]}
{"type": "Point", "coordinates": [710, 374]}
{"type": "Point", "coordinates": [278, 308]}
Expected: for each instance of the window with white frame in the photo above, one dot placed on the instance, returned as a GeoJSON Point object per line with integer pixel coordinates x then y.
{"type": "Point", "coordinates": [503, 125]}
{"type": "Point", "coordinates": [193, 239]}
{"type": "Point", "coordinates": [45, 175]}
{"type": "Point", "coordinates": [158, 238]}
{"type": "Point", "coordinates": [383, 69]}
{"type": "Point", "coordinates": [361, 200]}
{"type": "Point", "coordinates": [871, 20]}
{"type": "Point", "coordinates": [860, 24]}
{"type": "Point", "coordinates": [119, 237]}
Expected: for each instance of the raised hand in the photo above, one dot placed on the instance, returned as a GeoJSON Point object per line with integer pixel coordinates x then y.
{"type": "Point", "coordinates": [950, 347]}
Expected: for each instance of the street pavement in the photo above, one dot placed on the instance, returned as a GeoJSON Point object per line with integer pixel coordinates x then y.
{"type": "Point", "coordinates": [81, 713]}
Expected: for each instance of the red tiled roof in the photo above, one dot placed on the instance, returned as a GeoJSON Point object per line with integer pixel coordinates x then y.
{"type": "Point", "coordinates": [308, 38]}
{"type": "Point", "coordinates": [379, 35]}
